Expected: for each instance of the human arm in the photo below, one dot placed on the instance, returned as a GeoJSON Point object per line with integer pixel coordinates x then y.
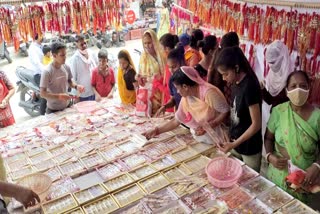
{"type": "Point", "coordinates": [255, 126]}
{"type": "Point", "coordinates": [168, 126]}
{"type": "Point", "coordinates": [112, 82]}
{"type": "Point", "coordinates": [26, 196]}
{"type": "Point", "coordinates": [11, 92]}
{"type": "Point", "coordinates": [170, 104]}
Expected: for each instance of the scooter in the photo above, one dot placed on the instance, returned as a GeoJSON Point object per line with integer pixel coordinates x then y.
{"type": "Point", "coordinates": [29, 91]}
{"type": "Point", "coordinates": [4, 53]}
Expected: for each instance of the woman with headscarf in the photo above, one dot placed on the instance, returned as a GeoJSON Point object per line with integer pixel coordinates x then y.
{"type": "Point", "coordinates": [164, 20]}
{"type": "Point", "coordinates": [192, 54]}
{"type": "Point", "coordinates": [152, 69]}
{"type": "Point", "coordinates": [280, 66]}
{"type": "Point", "coordinates": [203, 108]}
{"type": "Point", "coordinates": [126, 78]}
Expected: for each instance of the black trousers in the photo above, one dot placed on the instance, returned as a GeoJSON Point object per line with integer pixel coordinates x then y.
{"type": "Point", "coordinates": [43, 102]}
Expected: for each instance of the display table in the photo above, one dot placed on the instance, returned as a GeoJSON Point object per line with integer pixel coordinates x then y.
{"type": "Point", "coordinates": [100, 164]}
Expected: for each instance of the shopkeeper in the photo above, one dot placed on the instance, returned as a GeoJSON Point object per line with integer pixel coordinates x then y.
{"type": "Point", "coordinates": [55, 80]}
{"type": "Point", "coordinates": [203, 108]}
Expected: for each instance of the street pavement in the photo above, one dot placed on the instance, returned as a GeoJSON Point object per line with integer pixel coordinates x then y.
{"type": "Point", "coordinates": [19, 114]}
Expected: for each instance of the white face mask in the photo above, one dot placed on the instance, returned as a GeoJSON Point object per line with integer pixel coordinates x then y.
{"type": "Point", "coordinates": [298, 96]}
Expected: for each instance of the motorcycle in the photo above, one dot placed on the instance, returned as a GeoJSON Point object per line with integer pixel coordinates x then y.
{"type": "Point", "coordinates": [4, 53]}
{"type": "Point", "coordinates": [29, 91]}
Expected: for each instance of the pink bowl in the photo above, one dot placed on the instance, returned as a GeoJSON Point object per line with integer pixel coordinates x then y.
{"type": "Point", "coordinates": [223, 172]}
{"type": "Point", "coordinates": [86, 106]}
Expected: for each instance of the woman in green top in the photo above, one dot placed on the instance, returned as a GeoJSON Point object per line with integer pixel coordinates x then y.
{"type": "Point", "coordinates": [293, 133]}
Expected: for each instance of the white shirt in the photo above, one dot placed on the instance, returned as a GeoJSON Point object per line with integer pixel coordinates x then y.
{"type": "Point", "coordinates": [36, 57]}
{"type": "Point", "coordinates": [81, 69]}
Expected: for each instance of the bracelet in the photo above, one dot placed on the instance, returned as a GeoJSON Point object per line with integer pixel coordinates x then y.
{"type": "Point", "coordinates": [157, 130]}
{"type": "Point", "coordinates": [317, 165]}
{"type": "Point", "coordinates": [267, 156]}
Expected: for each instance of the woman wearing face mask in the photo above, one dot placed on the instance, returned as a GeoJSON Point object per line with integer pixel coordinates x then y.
{"type": "Point", "coordinates": [293, 133]}
{"type": "Point", "coordinates": [278, 59]}
{"type": "Point", "coordinates": [175, 60]}
{"type": "Point", "coordinates": [151, 69]}
{"type": "Point", "coordinates": [126, 78]}
{"type": "Point", "coordinates": [203, 108]}
{"type": "Point", "coordinates": [208, 47]}
{"type": "Point", "coordinates": [245, 129]}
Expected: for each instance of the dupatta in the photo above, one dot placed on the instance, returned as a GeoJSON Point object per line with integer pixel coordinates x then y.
{"type": "Point", "coordinates": [127, 96]}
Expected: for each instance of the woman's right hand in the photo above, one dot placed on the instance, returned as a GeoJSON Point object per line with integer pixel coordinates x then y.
{"type": "Point", "coordinates": [150, 134]}
{"type": "Point", "coordinates": [98, 98]}
{"type": "Point", "coordinates": [278, 162]}
{"type": "Point", "coordinates": [160, 111]}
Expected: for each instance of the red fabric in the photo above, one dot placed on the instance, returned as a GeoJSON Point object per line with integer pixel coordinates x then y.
{"type": "Point", "coordinates": [6, 116]}
{"type": "Point", "coordinates": [167, 95]}
{"type": "Point", "coordinates": [102, 84]}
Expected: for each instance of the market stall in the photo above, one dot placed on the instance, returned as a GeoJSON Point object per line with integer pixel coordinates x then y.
{"type": "Point", "coordinates": [99, 163]}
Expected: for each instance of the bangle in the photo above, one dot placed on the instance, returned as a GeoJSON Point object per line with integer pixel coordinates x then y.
{"type": "Point", "coordinates": [267, 156]}
{"type": "Point", "coordinates": [317, 165]}
{"type": "Point", "coordinates": [157, 130]}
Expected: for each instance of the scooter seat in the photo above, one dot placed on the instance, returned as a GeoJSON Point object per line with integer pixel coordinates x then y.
{"type": "Point", "coordinates": [26, 74]}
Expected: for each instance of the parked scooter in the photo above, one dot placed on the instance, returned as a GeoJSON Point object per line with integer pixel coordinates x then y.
{"type": "Point", "coordinates": [29, 91]}
{"type": "Point", "coordinates": [4, 53]}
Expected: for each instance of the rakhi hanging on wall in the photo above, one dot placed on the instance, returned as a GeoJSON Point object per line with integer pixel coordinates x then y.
{"type": "Point", "coordinates": [76, 12]}
{"type": "Point", "coordinates": [5, 25]}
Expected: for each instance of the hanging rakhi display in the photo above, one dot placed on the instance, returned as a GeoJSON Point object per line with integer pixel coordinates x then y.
{"type": "Point", "coordinates": [22, 21]}
{"type": "Point", "coordinates": [193, 5]}
{"type": "Point", "coordinates": [257, 30]}
{"type": "Point", "coordinates": [204, 11]}
{"type": "Point", "coordinates": [277, 24]}
{"type": "Point", "coordinates": [76, 11]}
{"type": "Point", "coordinates": [5, 25]}
{"type": "Point", "coordinates": [95, 17]}
{"type": "Point", "coordinates": [303, 40]}
{"type": "Point", "coordinates": [67, 16]}
{"type": "Point", "coordinates": [291, 29]}
{"type": "Point", "coordinates": [267, 25]}
{"type": "Point", "coordinates": [243, 20]}
{"type": "Point", "coordinates": [52, 17]}
{"type": "Point", "coordinates": [37, 19]}
{"type": "Point", "coordinates": [315, 41]}
{"type": "Point", "coordinates": [84, 16]}
{"type": "Point", "coordinates": [216, 9]}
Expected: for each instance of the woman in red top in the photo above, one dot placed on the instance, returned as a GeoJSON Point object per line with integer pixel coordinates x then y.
{"type": "Point", "coordinates": [6, 92]}
{"type": "Point", "coordinates": [102, 79]}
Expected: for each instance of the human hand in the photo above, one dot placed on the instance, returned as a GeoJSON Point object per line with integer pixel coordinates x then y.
{"type": "Point", "coordinates": [80, 88]}
{"type": "Point", "coordinates": [64, 97]}
{"type": "Point", "coordinates": [4, 103]}
{"type": "Point", "coordinates": [226, 147]}
{"type": "Point", "coordinates": [27, 197]}
{"type": "Point", "coordinates": [150, 134]}
{"type": "Point", "coordinates": [199, 131]}
{"type": "Point", "coordinates": [278, 162]}
{"type": "Point", "coordinates": [160, 111]}
{"type": "Point", "coordinates": [98, 98]}
{"type": "Point", "coordinates": [312, 176]}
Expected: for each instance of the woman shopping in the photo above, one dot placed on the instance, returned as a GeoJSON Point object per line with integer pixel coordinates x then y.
{"type": "Point", "coordinates": [6, 92]}
{"type": "Point", "coordinates": [293, 133]}
{"type": "Point", "coordinates": [126, 78]}
{"type": "Point", "coordinates": [203, 108]}
{"type": "Point", "coordinates": [245, 130]}
{"type": "Point", "coordinates": [152, 69]}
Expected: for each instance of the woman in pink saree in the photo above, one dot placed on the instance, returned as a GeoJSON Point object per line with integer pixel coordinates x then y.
{"type": "Point", "coordinates": [203, 108]}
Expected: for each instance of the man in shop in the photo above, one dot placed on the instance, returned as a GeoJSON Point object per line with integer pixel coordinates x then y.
{"type": "Point", "coordinates": [82, 64]}
{"type": "Point", "coordinates": [36, 60]}
{"type": "Point", "coordinates": [56, 79]}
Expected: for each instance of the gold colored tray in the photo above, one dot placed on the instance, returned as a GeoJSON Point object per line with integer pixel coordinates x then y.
{"type": "Point", "coordinates": [103, 205]}
{"type": "Point", "coordinates": [128, 195]}
{"type": "Point", "coordinates": [197, 164]}
{"type": "Point", "coordinates": [118, 182]}
{"type": "Point", "coordinates": [89, 194]}
{"type": "Point", "coordinates": [154, 183]}
{"type": "Point", "coordinates": [59, 205]}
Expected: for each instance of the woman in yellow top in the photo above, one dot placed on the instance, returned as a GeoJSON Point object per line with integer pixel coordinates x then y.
{"type": "Point", "coordinates": [126, 78]}
{"type": "Point", "coordinates": [47, 59]}
{"type": "Point", "coordinates": [152, 69]}
{"type": "Point", "coordinates": [165, 21]}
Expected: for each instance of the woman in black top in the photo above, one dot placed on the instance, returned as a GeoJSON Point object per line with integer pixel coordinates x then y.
{"type": "Point", "coordinates": [208, 46]}
{"type": "Point", "coordinates": [245, 130]}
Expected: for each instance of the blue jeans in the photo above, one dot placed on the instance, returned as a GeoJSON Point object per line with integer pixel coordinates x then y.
{"type": "Point", "coordinates": [92, 97]}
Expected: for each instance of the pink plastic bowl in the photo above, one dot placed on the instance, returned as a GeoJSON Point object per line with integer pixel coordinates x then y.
{"type": "Point", "coordinates": [223, 172]}
{"type": "Point", "coordinates": [86, 106]}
